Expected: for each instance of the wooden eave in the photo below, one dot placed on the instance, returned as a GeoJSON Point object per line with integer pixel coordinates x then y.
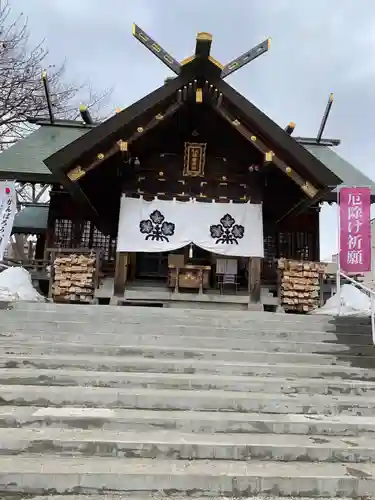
{"type": "Point", "coordinates": [31, 177]}
{"type": "Point", "coordinates": [115, 128]}
{"type": "Point", "coordinates": [282, 144]}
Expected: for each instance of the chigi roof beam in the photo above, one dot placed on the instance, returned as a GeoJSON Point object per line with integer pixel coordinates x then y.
{"type": "Point", "coordinates": [48, 96]}
{"type": "Point", "coordinates": [156, 49]}
{"type": "Point", "coordinates": [245, 58]}
{"type": "Point", "coordinates": [324, 119]}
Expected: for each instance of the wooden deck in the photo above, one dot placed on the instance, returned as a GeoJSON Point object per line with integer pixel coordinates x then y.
{"type": "Point", "coordinates": [157, 294]}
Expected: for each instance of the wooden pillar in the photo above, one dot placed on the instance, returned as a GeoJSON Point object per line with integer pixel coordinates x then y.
{"type": "Point", "coordinates": [254, 279]}
{"type": "Point", "coordinates": [132, 267]}
{"type": "Point", "coordinates": [40, 246]}
{"type": "Point", "coordinates": [121, 272]}
{"type": "Point", "coordinates": [317, 235]}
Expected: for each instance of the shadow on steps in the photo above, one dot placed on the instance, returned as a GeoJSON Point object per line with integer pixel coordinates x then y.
{"type": "Point", "coordinates": [355, 334]}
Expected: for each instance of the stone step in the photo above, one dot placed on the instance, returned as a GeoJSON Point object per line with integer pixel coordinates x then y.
{"type": "Point", "coordinates": [191, 366]}
{"type": "Point", "coordinates": [157, 349]}
{"type": "Point", "coordinates": [155, 324]}
{"type": "Point", "coordinates": [34, 474]}
{"type": "Point", "coordinates": [171, 358]}
{"type": "Point", "coordinates": [134, 496]}
{"type": "Point", "coordinates": [185, 336]}
{"type": "Point", "coordinates": [167, 444]}
{"type": "Point", "coordinates": [119, 419]}
{"type": "Point", "coordinates": [201, 314]}
{"type": "Point", "coordinates": [184, 381]}
{"type": "Point", "coordinates": [168, 399]}
{"type": "Point", "coordinates": [216, 315]}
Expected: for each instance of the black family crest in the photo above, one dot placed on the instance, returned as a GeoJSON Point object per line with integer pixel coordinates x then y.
{"type": "Point", "coordinates": [227, 231]}
{"type": "Point", "coordinates": [156, 228]}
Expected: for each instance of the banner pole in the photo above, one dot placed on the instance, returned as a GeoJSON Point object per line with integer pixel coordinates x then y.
{"type": "Point", "coordinates": [338, 271]}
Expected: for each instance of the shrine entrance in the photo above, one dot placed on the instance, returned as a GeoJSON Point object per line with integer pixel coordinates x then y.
{"type": "Point", "coordinates": [152, 265]}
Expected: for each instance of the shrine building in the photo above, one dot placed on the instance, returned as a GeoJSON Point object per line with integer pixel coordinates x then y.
{"type": "Point", "coordinates": [191, 191]}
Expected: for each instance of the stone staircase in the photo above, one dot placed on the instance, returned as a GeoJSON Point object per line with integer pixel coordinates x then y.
{"type": "Point", "coordinates": [99, 402]}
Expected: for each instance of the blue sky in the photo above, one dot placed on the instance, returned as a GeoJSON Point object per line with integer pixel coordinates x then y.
{"type": "Point", "coordinates": [318, 47]}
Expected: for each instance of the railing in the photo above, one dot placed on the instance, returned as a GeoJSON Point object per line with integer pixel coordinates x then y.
{"type": "Point", "coordinates": [38, 268]}
{"type": "Point", "coordinates": [367, 290]}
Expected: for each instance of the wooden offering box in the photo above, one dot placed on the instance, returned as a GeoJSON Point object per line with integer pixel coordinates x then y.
{"type": "Point", "coordinates": [190, 276]}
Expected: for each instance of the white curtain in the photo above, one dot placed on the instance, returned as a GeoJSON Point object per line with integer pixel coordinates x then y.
{"type": "Point", "coordinates": [233, 229]}
{"type": "Point", "coordinates": [8, 208]}
{"type": "Point", "coordinates": [152, 226]}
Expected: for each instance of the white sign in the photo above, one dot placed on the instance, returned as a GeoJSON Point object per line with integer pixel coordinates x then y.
{"type": "Point", "coordinates": [233, 229]}
{"type": "Point", "coordinates": [8, 209]}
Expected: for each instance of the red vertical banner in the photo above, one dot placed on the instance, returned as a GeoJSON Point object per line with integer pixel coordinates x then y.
{"type": "Point", "coordinates": [355, 229]}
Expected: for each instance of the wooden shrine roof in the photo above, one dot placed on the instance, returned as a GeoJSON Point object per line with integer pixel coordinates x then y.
{"type": "Point", "coordinates": [23, 161]}
{"type": "Point", "coordinates": [121, 125]}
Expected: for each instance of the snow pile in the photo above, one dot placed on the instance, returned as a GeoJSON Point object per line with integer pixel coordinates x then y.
{"type": "Point", "coordinates": [16, 285]}
{"type": "Point", "coordinates": [353, 302]}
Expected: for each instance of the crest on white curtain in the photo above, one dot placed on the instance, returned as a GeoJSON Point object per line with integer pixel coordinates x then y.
{"type": "Point", "coordinates": [152, 226]}
{"type": "Point", "coordinates": [227, 231]}
{"type": "Point", "coordinates": [156, 228]}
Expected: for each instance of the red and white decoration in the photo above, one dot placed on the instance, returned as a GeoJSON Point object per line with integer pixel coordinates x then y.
{"type": "Point", "coordinates": [355, 229]}
{"type": "Point", "coordinates": [233, 229]}
{"type": "Point", "coordinates": [8, 209]}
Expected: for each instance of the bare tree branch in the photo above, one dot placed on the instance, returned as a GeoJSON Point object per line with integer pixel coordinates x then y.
{"type": "Point", "coordinates": [22, 93]}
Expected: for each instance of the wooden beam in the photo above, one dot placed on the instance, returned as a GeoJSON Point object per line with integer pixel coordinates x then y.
{"type": "Point", "coordinates": [121, 271]}
{"type": "Point", "coordinates": [289, 129]}
{"type": "Point", "coordinates": [303, 205]}
{"type": "Point", "coordinates": [86, 115]}
{"type": "Point", "coordinates": [325, 118]}
{"type": "Point", "coordinates": [216, 62]}
{"type": "Point", "coordinates": [245, 58]}
{"type": "Point", "coordinates": [122, 146]}
{"type": "Point", "coordinates": [156, 49]}
{"type": "Point", "coordinates": [254, 279]}
{"type": "Point", "coordinates": [203, 45]}
{"type": "Point", "coordinates": [269, 156]}
{"type": "Point", "coordinates": [187, 60]}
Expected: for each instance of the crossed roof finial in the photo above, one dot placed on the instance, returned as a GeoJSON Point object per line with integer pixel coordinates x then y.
{"type": "Point", "coordinates": [202, 50]}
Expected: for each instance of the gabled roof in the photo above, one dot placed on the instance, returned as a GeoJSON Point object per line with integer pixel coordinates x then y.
{"type": "Point", "coordinates": [24, 160]}
{"type": "Point", "coordinates": [117, 127]}
{"type": "Point", "coordinates": [350, 175]}
{"type": "Point", "coordinates": [111, 130]}
{"type": "Point", "coordinates": [284, 145]}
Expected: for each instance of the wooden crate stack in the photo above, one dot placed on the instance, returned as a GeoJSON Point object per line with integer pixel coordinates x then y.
{"type": "Point", "coordinates": [300, 284]}
{"type": "Point", "coordinates": [74, 278]}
